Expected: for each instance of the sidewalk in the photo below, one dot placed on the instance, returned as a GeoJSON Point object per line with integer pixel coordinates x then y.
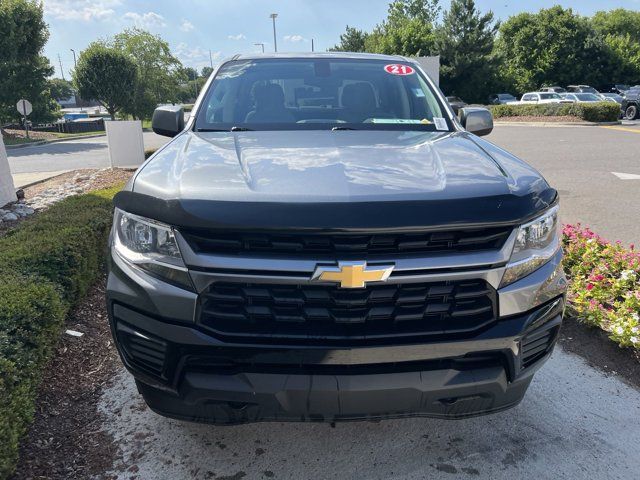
{"type": "Point", "coordinates": [21, 180]}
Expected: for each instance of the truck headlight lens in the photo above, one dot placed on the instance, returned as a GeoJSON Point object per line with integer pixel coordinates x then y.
{"type": "Point", "coordinates": [536, 243]}
{"type": "Point", "coordinates": [151, 246]}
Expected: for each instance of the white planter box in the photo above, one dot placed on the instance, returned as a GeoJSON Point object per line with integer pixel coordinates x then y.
{"type": "Point", "coordinates": [126, 144]}
{"type": "Point", "coordinates": [7, 189]}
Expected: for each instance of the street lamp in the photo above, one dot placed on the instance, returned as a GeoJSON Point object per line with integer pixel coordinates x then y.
{"type": "Point", "coordinates": [260, 45]}
{"type": "Point", "coordinates": [273, 17]}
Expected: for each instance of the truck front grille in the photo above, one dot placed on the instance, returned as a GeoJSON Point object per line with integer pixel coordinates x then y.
{"type": "Point", "coordinates": [468, 240]}
{"type": "Point", "coordinates": [324, 314]}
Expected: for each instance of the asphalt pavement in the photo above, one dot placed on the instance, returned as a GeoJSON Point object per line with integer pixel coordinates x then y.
{"type": "Point", "coordinates": [574, 423]}
{"type": "Point", "coordinates": [580, 162]}
{"type": "Point", "coordinates": [69, 155]}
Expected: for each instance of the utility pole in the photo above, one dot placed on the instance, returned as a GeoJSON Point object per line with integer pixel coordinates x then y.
{"type": "Point", "coordinates": [61, 70]}
{"type": "Point", "coordinates": [273, 16]}
{"type": "Point", "coordinates": [75, 66]}
{"type": "Point", "coordinates": [260, 45]}
{"type": "Point", "coordinates": [211, 59]}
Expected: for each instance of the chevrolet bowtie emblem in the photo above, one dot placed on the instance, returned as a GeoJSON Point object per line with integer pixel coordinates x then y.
{"type": "Point", "coordinates": [352, 274]}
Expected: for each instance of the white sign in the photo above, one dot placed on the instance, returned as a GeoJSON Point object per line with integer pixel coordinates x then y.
{"type": "Point", "coordinates": [126, 143]}
{"type": "Point", "coordinates": [24, 107]}
{"type": "Point", "coordinates": [7, 189]}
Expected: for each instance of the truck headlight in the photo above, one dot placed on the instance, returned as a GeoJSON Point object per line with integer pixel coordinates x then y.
{"type": "Point", "coordinates": [536, 243]}
{"type": "Point", "coordinates": [151, 246]}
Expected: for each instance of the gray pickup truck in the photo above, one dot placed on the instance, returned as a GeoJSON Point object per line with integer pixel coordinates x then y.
{"type": "Point", "coordinates": [322, 240]}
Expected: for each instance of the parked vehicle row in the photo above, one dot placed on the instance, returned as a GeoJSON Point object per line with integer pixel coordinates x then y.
{"type": "Point", "coordinates": [626, 96]}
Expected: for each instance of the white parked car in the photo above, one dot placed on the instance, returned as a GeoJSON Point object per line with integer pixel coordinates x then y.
{"type": "Point", "coordinates": [582, 97]}
{"type": "Point", "coordinates": [533, 98]}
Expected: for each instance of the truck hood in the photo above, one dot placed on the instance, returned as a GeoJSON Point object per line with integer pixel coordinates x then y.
{"type": "Point", "coordinates": [319, 169]}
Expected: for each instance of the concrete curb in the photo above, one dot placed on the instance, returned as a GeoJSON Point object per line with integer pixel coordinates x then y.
{"type": "Point", "coordinates": [57, 140]}
{"type": "Point", "coordinates": [556, 124]}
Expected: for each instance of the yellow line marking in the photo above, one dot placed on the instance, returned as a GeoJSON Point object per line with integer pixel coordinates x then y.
{"type": "Point", "coordinates": [624, 129]}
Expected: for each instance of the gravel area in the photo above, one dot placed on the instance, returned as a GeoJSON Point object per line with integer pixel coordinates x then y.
{"type": "Point", "coordinates": [45, 194]}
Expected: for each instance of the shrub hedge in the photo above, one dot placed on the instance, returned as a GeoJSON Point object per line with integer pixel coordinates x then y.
{"type": "Point", "coordinates": [589, 112]}
{"type": "Point", "coordinates": [47, 263]}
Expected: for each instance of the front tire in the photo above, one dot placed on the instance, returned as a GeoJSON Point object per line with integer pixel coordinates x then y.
{"type": "Point", "coordinates": [631, 113]}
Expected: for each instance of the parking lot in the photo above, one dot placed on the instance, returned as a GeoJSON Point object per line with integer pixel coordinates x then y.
{"type": "Point", "coordinates": [582, 163]}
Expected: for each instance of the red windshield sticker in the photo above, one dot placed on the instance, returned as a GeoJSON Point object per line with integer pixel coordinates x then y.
{"type": "Point", "coordinates": [399, 69]}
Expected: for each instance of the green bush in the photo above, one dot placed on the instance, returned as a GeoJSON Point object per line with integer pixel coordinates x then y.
{"type": "Point", "coordinates": [47, 263]}
{"type": "Point", "coordinates": [589, 112]}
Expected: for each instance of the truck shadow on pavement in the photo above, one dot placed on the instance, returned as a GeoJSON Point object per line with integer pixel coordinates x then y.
{"type": "Point", "coordinates": [569, 425]}
{"type": "Point", "coordinates": [58, 148]}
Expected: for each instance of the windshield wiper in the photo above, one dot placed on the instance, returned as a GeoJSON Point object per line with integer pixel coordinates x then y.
{"type": "Point", "coordinates": [335, 129]}
{"type": "Point", "coordinates": [241, 129]}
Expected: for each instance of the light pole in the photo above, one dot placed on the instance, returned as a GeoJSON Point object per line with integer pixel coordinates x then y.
{"type": "Point", "coordinates": [273, 16]}
{"type": "Point", "coordinates": [260, 45]}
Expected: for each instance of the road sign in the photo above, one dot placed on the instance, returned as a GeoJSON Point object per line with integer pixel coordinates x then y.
{"type": "Point", "coordinates": [24, 107]}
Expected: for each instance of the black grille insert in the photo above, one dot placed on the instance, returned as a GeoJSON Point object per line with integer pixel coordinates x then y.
{"type": "Point", "coordinates": [219, 242]}
{"type": "Point", "coordinates": [536, 345]}
{"type": "Point", "coordinates": [148, 353]}
{"type": "Point", "coordinates": [320, 313]}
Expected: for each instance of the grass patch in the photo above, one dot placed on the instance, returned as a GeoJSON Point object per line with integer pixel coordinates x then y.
{"type": "Point", "coordinates": [589, 112]}
{"type": "Point", "coordinates": [604, 284]}
{"type": "Point", "coordinates": [47, 264]}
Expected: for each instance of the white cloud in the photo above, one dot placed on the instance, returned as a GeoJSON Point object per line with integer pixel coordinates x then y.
{"type": "Point", "coordinates": [85, 10]}
{"type": "Point", "coordinates": [295, 38]}
{"type": "Point", "coordinates": [240, 36]}
{"type": "Point", "coordinates": [145, 20]}
{"type": "Point", "coordinates": [186, 26]}
{"type": "Point", "coordinates": [196, 57]}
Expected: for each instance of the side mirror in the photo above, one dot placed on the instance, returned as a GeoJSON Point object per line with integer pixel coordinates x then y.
{"type": "Point", "coordinates": [168, 120]}
{"type": "Point", "coordinates": [478, 121]}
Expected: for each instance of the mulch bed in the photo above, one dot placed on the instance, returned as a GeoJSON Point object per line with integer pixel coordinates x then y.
{"type": "Point", "coordinates": [65, 440]}
{"type": "Point", "coordinates": [594, 346]}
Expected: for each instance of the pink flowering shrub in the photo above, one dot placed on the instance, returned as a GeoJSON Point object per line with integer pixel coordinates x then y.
{"type": "Point", "coordinates": [604, 284]}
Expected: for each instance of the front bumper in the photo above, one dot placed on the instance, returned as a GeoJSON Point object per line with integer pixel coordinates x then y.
{"type": "Point", "coordinates": [188, 373]}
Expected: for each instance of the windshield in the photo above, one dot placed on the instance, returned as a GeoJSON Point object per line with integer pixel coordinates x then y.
{"type": "Point", "coordinates": [297, 94]}
{"type": "Point", "coordinates": [506, 96]}
{"type": "Point", "coordinates": [549, 96]}
{"type": "Point", "coordinates": [587, 97]}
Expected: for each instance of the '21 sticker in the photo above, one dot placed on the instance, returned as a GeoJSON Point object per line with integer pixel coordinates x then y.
{"type": "Point", "coordinates": [399, 69]}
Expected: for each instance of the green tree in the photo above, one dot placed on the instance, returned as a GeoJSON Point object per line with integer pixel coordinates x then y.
{"type": "Point", "coordinates": [191, 73]}
{"type": "Point", "coordinates": [408, 29]}
{"type": "Point", "coordinates": [554, 45]}
{"type": "Point", "coordinates": [465, 44]}
{"type": "Point", "coordinates": [206, 72]}
{"type": "Point", "coordinates": [23, 68]}
{"type": "Point", "coordinates": [618, 22]}
{"type": "Point", "coordinates": [160, 74]}
{"type": "Point", "coordinates": [425, 11]}
{"type": "Point", "coordinates": [106, 75]}
{"type": "Point", "coordinates": [624, 52]}
{"type": "Point", "coordinates": [352, 40]}
{"type": "Point", "coordinates": [60, 89]}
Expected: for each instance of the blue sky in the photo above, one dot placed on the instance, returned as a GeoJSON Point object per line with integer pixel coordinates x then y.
{"type": "Point", "coordinates": [226, 27]}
